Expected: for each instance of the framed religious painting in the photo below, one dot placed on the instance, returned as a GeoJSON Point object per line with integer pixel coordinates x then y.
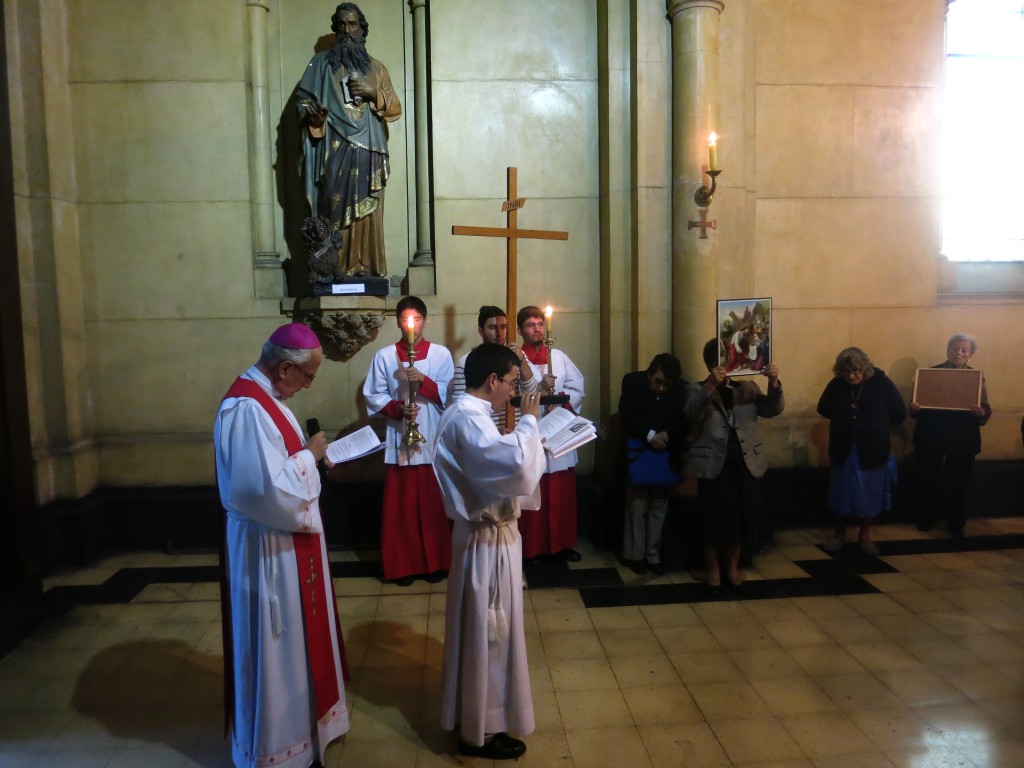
{"type": "Point", "coordinates": [744, 335]}
{"type": "Point", "coordinates": [948, 389]}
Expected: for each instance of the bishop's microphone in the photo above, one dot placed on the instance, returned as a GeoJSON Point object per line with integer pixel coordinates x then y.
{"type": "Point", "coordinates": [312, 426]}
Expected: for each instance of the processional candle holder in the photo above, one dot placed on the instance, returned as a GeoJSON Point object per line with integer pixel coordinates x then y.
{"type": "Point", "coordinates": [412, 431]}
{"type": "Point", "coordinates": [702, 197]}
{"type": "Point", "coordinates": [549, 342]}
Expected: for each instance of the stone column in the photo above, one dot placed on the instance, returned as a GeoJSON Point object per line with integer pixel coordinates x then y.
{"type": "Point", "coordinates": [420, 52]}
{"type": "Point", "coordinates": [694, 117]}
{"type": "Point", "coordinates": [269, 276]}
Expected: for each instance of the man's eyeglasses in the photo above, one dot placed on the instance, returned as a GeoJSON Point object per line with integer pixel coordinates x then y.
{"type": "Point", "coordinates": [532, 326]}
{"type": "Point", "coordinates": [511, 384]}
{"type": "Point", "coordinates": [309, 376]}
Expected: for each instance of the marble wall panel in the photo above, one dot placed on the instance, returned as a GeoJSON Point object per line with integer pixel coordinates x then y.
{"type": "Point", "coordinates": [548, 130]}
{"type": "Point", "coordinates": [124, 40]}
{"type": "Point", "coordinates": [533, 40]}
{"type": "Point", "coordinates": [804, 143]}
{"type": "Point", "coordinates": [845, 253]}
{"type": "Point", "coordinates": [872, 42]}
{"type": "Point", "coordinates": [166, 260]}
{"type": "Point", "coordinates": [183, 142]}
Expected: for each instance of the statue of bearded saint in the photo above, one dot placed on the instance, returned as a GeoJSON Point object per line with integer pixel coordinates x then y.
{"type": "Point", "coordinates": [345, 101]}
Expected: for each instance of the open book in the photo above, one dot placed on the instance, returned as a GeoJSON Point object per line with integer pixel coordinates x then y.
{"type": "Point", "coordinates": [563, 431]}
{"type": "Point", "coordinates": [360, 443]}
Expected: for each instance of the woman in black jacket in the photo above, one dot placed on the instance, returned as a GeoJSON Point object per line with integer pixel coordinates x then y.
{"type": "Point", "coordinates": [862, 405]}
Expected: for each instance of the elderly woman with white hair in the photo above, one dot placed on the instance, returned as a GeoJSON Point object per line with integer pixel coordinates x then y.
{"type": "Point", "coordinates": [945, 444]}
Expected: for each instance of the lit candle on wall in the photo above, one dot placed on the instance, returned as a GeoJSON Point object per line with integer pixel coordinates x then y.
{"type": "Point", "coordinates": [713, 152]}
{"type": "Point", "coordinates": [410, 325]}
{"type": "Point", "coordinates": [548, 318]}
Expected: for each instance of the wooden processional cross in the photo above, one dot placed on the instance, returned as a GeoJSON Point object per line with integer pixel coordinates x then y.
{"type": "Point", "coordinates": [512, 235]}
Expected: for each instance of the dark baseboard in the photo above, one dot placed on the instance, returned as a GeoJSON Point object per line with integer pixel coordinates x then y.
{"type": "Point", "coordinates": [188, 518]}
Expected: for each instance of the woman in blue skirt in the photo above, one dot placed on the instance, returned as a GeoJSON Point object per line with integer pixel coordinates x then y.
{"type": "Point", "coordinates": [862, 404]}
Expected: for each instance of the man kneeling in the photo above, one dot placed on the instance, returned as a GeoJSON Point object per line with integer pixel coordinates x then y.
{"type": "Point", "coordinates": [485, 478]}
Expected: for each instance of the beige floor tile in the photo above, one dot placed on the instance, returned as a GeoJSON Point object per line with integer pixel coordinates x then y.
{"type": "Point", "coordinates": [1002, 619]}
{"type": "Point", "coordinates": [919, 687]}
{"type": "Point", "coordinates": [382, 753]}
{"type": "Point", "coordinates": [891, 583]}
{"type": "Point", "coordinates": [607, 746]}
{"type": "Point", "coordinates": [564, 620]}
{"type": "Point", "coordinates": [986, 681]}
{"type": "Point", "coordinates": [686, 638]}
{"type": "Point", "coordinates": [821, 660]}
{"type": "Point", "coordinates": [797, 632]}
{"type": "Point", "coordinates": [932, 578]}
{"type": "Point", "coordinates": [572, 645]}
{"type": "Point", "coordinates": [971, 598]}
{"type": "Point", "coordinates": [933, 756]}
{"type": "Point", "coordinates": [722, 612]}
{"type": "Point", "coordinates": [749, 739]}
{"type": "Point", "coordinates": [644, 671]}
{"type": "Point", "coordinates": [546, 712]}
{"type": "Point", "coordinates": [860, 760]}
{"type": "Point", "coordinates": [821, 607]}
{"type": "Point", "coordinates": [941, 652]}
{"type": "Point", "coordinates": [922, 601]}
{"type": "Point", "coordinates": [584, 710]}
{"type": "Point", "coordinates": [896, 729]}
{"type": "Point", "coordinates": [582, 675]}
{"type": "Point", "coordinates": [858, 691]}
{"type": "Point", "coordinates": [873, 605]}
{"type": "Point", "coordinates": [705, 666]}
{"type": "Point", "coordinates": [670, 616]}
{"type": "Point", "coordinates": [722, 700]}
{"type": "Point", "coordinates": [851, 629]}
{"type": "Point", "coordinates": [882, 654]}
{"type": "Point", "coordinates": [966, 726]}
{"type": "Point", "coordinates": [555, 599]}
{"type": "Point", "coordinates": [956, 623]}
{"type": "Point", "coordinates": [764, 664]}
{"type": "Point", "coordinates": [774, 610]}
{"type": "Point", "coordinates": [683, 745]}
{"type": "Point", "coordinates": [625, 617]}
{"type": "Point", "coordinates": [743, 636]}
{"type": "Point", "coordinates": [993, 646]}
{"type": "Point", "coordinates": [629, 642]}
{"type": "Point", "coordinates": [662, 705]}
{"type": "Point", "coordinates": [827, 733]}
{"type": "Point", "coordinates": [793, 695]}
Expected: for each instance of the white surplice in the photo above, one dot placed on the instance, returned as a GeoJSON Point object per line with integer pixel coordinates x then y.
{"type": "Point", "coordinates": [382, 386]}
{"type": "Point", "coordinates": [268, 495]}
{"type": "Point", "coordinates": [485, 479]}
{"type": "Point", "coordinates": [569, 381]}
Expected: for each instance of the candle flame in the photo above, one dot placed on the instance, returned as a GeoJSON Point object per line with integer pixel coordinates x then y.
{"type": "Point", "coordinates": [713, 139]}
{"type": "Point", "coordinates": [410, 323]}
{"type": "Point", "coordinates": [547, 311]}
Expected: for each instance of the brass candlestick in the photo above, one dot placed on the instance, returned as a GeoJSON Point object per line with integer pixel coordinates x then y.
{"type": "Point", "coordinates": [549, 342]}
{"type": "Point", "coordinates": [412, 431]}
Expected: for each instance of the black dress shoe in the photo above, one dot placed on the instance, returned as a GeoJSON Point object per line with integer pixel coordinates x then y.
{"type": "Point", "coordinates": [925, 527]}
{"type": "Point", "coordinates": [405, 581]}
{"type": "Point", "coordinates": [571, 555]}
{"type": "Point", "coordinates": [956, 533]}
{"type": "Point", "coordinates": [736, 589]}
{"type": "Point", "coordinates": [435, 577]}
{"type": "Point", "coordinates": [657, 569]}
{"type": "Point", "coordinates": [501, 747]}
{"type": "Point", "coordinates": [714, 590]}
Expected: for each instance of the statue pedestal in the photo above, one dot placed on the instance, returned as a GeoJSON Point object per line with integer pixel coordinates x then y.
{"type": "Point", "coordinates": [354, 286]}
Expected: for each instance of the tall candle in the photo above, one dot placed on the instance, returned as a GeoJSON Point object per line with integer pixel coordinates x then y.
{"type": "Point", "coordinates": [410, 325]}
{"type": "Point", "coordinates": [548, 318]}
{"type": "Point", "coordinates": [713, 152]}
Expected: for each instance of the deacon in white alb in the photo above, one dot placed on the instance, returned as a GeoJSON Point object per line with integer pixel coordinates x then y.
{"type": "Point", "coordinates": [485, 477]}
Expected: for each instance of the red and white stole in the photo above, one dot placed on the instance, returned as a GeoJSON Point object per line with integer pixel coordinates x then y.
{"type": "Point", "coordinates": [313, 586]}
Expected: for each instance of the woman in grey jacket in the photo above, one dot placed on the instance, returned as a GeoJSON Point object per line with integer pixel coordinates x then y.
{"type": "Point", "coordinates": [727, 460]}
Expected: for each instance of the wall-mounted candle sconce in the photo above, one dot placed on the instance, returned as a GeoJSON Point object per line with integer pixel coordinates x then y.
{"type": "Point", "coordinates": [704, 194]}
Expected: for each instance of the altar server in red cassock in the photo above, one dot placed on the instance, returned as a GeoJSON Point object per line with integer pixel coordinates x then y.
{"type": "Point", "coordinates": [415, 537]}
{"type": "Point", "coordinates": [284, 657]}
{"type": "Point", "coordinates": [551, 530]}
{"type": "Point", "coordinates": [485, 478]}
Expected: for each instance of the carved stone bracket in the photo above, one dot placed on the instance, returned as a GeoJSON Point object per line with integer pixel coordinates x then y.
{"type": "Point", "coordinates": [345, 332]}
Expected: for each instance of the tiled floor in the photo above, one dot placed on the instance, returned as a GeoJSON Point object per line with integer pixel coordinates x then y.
{"type": "Point", "coordinates": [912, 659]}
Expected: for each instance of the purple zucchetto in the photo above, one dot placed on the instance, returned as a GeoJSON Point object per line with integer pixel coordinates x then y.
{"type": "Point", "coordinates": [295, 336]}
